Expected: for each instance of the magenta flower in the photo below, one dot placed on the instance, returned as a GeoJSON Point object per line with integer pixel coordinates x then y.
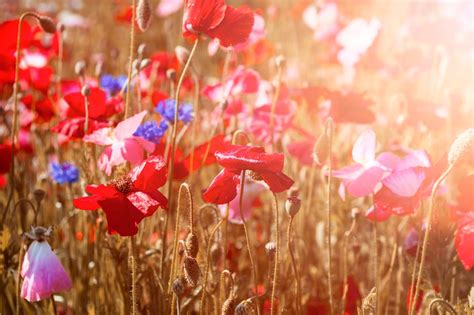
{"type": "Point", "coordinates": [42, 272]}
{"type": "Point", "coordinates": [121, 144]}
{"type": "Point", "coordinates": [252, 190]}
{"type": "Point", "coordinates": [361, 179]}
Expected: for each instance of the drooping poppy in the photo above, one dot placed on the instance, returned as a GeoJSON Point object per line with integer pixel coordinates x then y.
{"type": "Point", "coordinates": [127, 200]}
{"type": "Point", "coordinates": [237, 158]}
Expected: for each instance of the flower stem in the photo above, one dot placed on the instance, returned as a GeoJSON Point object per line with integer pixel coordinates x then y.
{"type": "Point", "coordinates": [173, 151]}
{"type": "Point", "coordinates": [206, 272]}
{"type": "Point", "coordinates": [130, 60]}
{"type": "Point", "coordinates": [295, 269]}
{"type": "Point", "coordinates": [133, 272]}
{"type": "Point", "coordinates": [247, 238]}
{"type": "Point", "coordinates": [274, 102]}
{"type": "Point", "coordinates": [329, 130]}
{"type": "Point", "coordinates": [427, 235]}
{"type": "Point", "coordinates": [18, 276]}
{"type": "Point", "coordinates": [277, 251]}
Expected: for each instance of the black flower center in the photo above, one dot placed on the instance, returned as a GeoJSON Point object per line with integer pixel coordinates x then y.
{"type": "Point", "coordinates": [123, 184]}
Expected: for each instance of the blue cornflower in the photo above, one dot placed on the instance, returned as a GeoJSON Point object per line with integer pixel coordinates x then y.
{"type": "Point", "coordinates": [64, 173]}
{"type": "Point", "coordinates": [111, 83]}
{"type": "Point", "coordinates": [166, 109]}
{"type": "Point", "coordinates": [151, 131]}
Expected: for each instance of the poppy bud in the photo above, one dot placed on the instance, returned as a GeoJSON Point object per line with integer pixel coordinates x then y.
{"type": "Point", "coordinates": [270, 248]}
{"type": "Point", "coordinates": [321, 149]}
{"type": "Point", "coordinates": [192, 245]}
{"type": "Point", "coordinates": [292, 206]}
{"type": "Point", "coordinates": [60, 26]}
{"type": "Point", "coordinates": [191, 271]}
{"type": "Point", "coordinates": [178, 286]}
{"type": "Point", "coordinates": [245, 307]}
{"type": "Point", "coordinates": [47, 24]}
{"type": "Point", "coordinates": [171, 74]}
{"type": "Point", "coordinates": [294, 191]}
{"type": "Point", "coordinates": [39, 195]}
{"type": "Point", "coordinates": [182, 54]}
{"type": "Point", "coordinates": [355, 213]}
{"type": "Point", "coordinates": [141, 49]}
{"type": "Point", "coordinates": [280, 61]}
{"type": "Point", "coordinates": [79, 68]}
{"type": "Point", "coordinates": [462, 149]}
{"type": "Point", "coordinates": [143, 14]}
{"type": "Point", "coordinates": [85, 91]}
{"type": "Point", "coordinates": [228, 306]}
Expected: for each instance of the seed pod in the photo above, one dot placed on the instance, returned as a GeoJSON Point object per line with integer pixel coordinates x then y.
{"type": "Point", "coordinates": [47, 24]}
{"type": "Point", "coordinates": [191, 271]}
{"type": "Point", "coordinates": [179, 286]}
{"type": "Point", "coordinates": [171, 74]}
{"type": "Point", "coordinates": [462, 149]}
{"type": "Point", "coordinates": [292, 206]}
{"type": "Point", "coordinates": [228, 307]}
{"type": "Point", "coordinates": [192, 245]}
{"type": "Point", "coordinates": [321, 149]}
{"type": "Point", "coordinates": [244, 308]}
{"type": "Point", "coordinates": [355, 213]}
{"type": "Point", "coordinates": [143, 14]}
{"type": "Point", "coordinates": [182, 54]}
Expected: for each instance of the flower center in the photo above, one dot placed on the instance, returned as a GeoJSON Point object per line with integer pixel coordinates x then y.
{"type": "Point", "coordinates": [123, 184]}
{"type": "Point", "coordinates": [255, 176]}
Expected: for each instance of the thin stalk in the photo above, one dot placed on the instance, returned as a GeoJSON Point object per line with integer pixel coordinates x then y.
{"type": "Point", "coordinates": [53, 303]}
{"type": "Point", "coordinates": [295, 269]}
{"type": "Point", "coordinates": [16, 88]}
{"type": "Point", "coordinates": [345, 262]}
{"type": "Point", "coordinates": [277, 252]}
{"type": "Point", "coordinates": [175, 242]}
{"type": "Point", "coordinates": [427, 233]}
{"type": "Point", "coordinates": [413, 275]}
{"type": "Point", "coordinates": [329, 130]}
{"type": "Point", "coordinates": [173, 151]}
{"type": "Point", "coordinates": [86, 107]}
{"type": "Point", "coordinates": [448, 307]}
{"type": "Point", "coordinates": [193, 130]}
{"type": "Point", "coordinates": [247, 237]}
{"type": "Point", "coordinates": [133, 272]}
{"type": "Point", "coordinates": [130, 60]}
{"type": "Point", "coordinates": [208, 262]}
{"type": "Point", "coordinates": [376, 265]}
{"type": "Point", "coordinates": [18, 276]}
{"type": "Point", "coordinates": [274, 102]}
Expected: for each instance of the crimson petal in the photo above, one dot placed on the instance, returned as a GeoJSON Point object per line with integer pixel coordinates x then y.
{"type": "Point", "coordinates": [277, 181]}
{"type": "Point", "coordinates": [223, 188]}
{"type": "Point", "coordinates": [242, 157]}
{"type": "Point", "coordinates": [235, 28]}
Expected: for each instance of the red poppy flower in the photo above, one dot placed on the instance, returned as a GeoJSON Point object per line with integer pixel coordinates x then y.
{"type": "Point", "coordinates": [217, 20]}
{"type": "Point", "coordinates": [237, 158]}
{"type": "Point", "coordinates": [348, 108]}
{"type": "Point", "coordinates": [9, 31]}
{"type": "Point", "coordinates": [38, 78]}
{"type": "Point", "coordinates": [43, 107]}
{"type": "Point", "coordinates": [127, 200]}
{"type": "Point", "coordinates": [74, 104]}
{"type": "Point", "coordinates": [302, 151]}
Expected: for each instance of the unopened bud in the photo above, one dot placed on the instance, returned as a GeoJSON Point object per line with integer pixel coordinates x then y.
{"type": "Point", "coordinates": [321, 149]}
{"type": "Point", "coordinates": [47, 24]}
{"type": "Point", "coordinates": [80, 68]}
{"type": "Point", "coordinates": [86, 90]}
{"type": "Point", "coordinates": [292, 206]}
{"type": "Point", "coordinates": [355, 213]}
{"type": "Point", "coordinates": [39, 194]}
{"type": "Point", "coordinates": [462, 149]}
{"type": "Point", "coordinates": [171, 74]}
{"type": "Point", "coordinates": [182, 54]}
{"type": "Point", "coordinates": [228, 307]}
{"type": "Point", "coordinates": [179, 286]}
{"type": "Point", "coordinates": [143, 14]}
{"type": "Point", "coordinates": [280, 61]}
{"type": "Point", "coordinates": [141, 49]}
{"type": "Point", "coordinates": [192, 245]}
{"type": "Point", "coordinates": [191, 271]}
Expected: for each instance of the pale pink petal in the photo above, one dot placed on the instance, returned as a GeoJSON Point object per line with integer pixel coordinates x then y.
{"type": "Point", "coordinates": [213, 47]}
{"type": "Point", "coordinates": [168, 7]}
{"type": "Point", "coordinates": [366, 182]}
{"type": "Point", "coordinates": [126, 128]}
{"type": "Point", "coordinates": [406, 182]}
{"type": "Point", "coordinates": [101, 137]}
{"type": "Point", "coordinates": [363, 151]}
{"type": "Point", "coordinates": [110, 157]}
{"type": "Point", "coordinates": [348, 172]}
{"type": "Point", "coordinates": [132, 151]}
{"type": "Point", "coordinates": [43, 273]}
{"type": "Point", "coordinates": [414, 159]}
{"type": "Point", "coordinates": [252, 190]}
{"type": "Point", "coordinates": [388, 160]}
{"type": "Point", "coordinates": [214, 92]}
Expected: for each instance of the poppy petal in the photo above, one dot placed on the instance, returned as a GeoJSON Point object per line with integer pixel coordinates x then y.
{"type": "Point", "coordinates": [242, 157]}
{"type": "Point", "coordinates": [127, 127]}
{"type": "Point", "coordinates": [122, 216]}
{"type": "Point", "coordinates": [405, 183]}
{"type": "Point", "coordinates": [277, 181]}
{"type": "Point", "coordinates": [235, 28]}
{"type": "Point", "coordinates": [223, 188]}
{"type": "Point", "coordinates": [150, 175]}
{"type": "Point", "coordinates": [465, 241]}
{"type": "Point", "coordinates": [363, 151]}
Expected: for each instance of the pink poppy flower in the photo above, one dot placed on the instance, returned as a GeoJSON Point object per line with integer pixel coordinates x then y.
{"type": "Point", "coordinates": [43, 273]}
{"type": "Point", "coordinates": [121, 144]}
{"type": "Point", "coordinates": [355, 39]}
{"type": "Point", "coordinates": [361, 179]}
{"type": "Point", "coordinates": [323, 21]}
{"type": "Point", "coordinates": [252, 190]}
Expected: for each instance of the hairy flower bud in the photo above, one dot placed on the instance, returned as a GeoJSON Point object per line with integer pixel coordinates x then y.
{"type": "Point", "coordinates": [462, 149]}
{"type": "Point", "coordinates": [80, 68]}
{"type": "Point", "coordinates": [179, 286]}
{"type": "Point", "coordinates": [143, 14]}
{"type": "Point", "coordinates": [192, 245]}
{"type": "Point", "coordinates": [47, 24]}
{"type": "Point", "coordinates": [85, 90]}
{"type": "Point", "coordinates": [292, 206]}
{"type": "Point", "coordinates": [228, 306]}
{"type": "Point", "coordinates": [191, 271]}
{"type": "Point", "coordinates": [38, 194]}
{"type": "Point", "coordinates": [182, 54]}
